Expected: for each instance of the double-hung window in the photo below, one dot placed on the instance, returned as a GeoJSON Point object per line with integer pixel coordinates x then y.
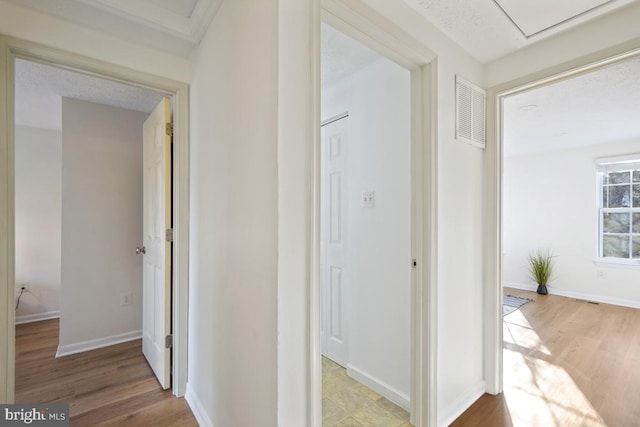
{"type": "Point", "coordinates": [619, 223]}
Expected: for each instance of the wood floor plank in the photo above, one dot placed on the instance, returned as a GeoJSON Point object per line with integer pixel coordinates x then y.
{"type": "Point", "coordinates": [109, 386]}
{"type": "Point", "coordinates": [566, 363]}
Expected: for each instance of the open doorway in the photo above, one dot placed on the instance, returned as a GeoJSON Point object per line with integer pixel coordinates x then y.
{"type": "Point", "coordinates": [570, 151]}
{"type": "Point", "coordinates": [19, 49]}
{"type": "Point", "coordinates": [88, 184]}
{"type": "Point", "coordinates": [365, 235]}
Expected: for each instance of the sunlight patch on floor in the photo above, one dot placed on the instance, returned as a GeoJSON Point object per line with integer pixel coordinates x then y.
{"type": "Point", "coordinates": [516, 325]}
{"type": "Point", "coordinates": [532, 378]}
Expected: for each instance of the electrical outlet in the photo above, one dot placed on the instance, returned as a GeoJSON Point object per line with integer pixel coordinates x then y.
{"type": "Point", "coordinates": [601, 274]}
{"type": "Point", "coordinates": [125, 298]}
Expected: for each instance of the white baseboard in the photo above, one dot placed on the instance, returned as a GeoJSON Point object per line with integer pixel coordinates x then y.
{"type": "Point", "coordinates": [380, 387]}
{"type": "Point", "coordinates": [457, 407]}
{"type": "Point", "coordinates": [197, 408]}
{"type": "Point", "coordinates": [578, 295]}
{"type": "Point", "coordinates": [79, 347]}
{"type": "Point", "coordinates": [28, 318]}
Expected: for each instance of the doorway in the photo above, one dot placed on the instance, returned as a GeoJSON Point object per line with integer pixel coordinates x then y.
{"type": "Point", "coordinates": [87, 170]}
{"type": "Point", "coordinates": [368, 293]}
{"type": "Point", "coordinates": [495, 332]}
{"type": "Point", "coordinates": [18, 49]}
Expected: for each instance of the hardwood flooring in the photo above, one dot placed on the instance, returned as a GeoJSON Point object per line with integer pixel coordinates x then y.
{"type": "Point", "coordinates": [109, 386]}
{"type": "Point", "coordinates": [566, 363]}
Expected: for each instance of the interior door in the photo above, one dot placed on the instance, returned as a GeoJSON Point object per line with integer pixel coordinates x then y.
{"type": "Point", "coordinates": [333, 240]}
{"type": "Point", "coordinates": [156, 306]}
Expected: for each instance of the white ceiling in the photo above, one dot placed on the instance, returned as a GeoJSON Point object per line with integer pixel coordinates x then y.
{"type": "Point", "coordinates": [39, 90]}
{"type": "Point", "coordinates": [596, 108]}
{"type": "Point", "coordinates": [173, 26]}
{"type": "Point", "coordinates": [490, 29]}
{"type": "Point", "coordinates": [487, 29]}
{"type": "Point", "coordinates": [341, 55]}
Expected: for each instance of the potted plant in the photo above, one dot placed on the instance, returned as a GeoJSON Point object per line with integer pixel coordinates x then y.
{"type": "Point", "coordinates": [541, 266]}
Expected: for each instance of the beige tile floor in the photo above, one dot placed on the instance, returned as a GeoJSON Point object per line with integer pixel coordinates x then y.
{"type": "Point", "coordinates": [347, 403]}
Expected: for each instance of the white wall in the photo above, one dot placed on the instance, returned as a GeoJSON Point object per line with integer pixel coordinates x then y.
{"type": "Point", "coordinates": [27, 24]}
{"type": "Point", "coordinates": [233, 224]}
{"type": "Point", "coordinates": [101, 224]}
{"type": "Point", "coordinates": [38, 166]}
{"type": "Point", "coordinates": [550, 201]}
{"type": "Point", "coordinates": [460, 245]}
{"type": "Point", "coordinates": [378, 284]}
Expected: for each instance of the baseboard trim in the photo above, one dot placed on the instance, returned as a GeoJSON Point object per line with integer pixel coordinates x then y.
{"type": "Point", "coordinates": [380, 387]}
{"type": "Point", "coordinates": [28, 318]}
{"type": "Point", "coordinates": [457, 407]}
{"type": "Point", "coordinates": [197, 408]}
{"type": "Point", "coordinates": [80, 347]}
{"type": "Point", "coordinates": [577, 295]}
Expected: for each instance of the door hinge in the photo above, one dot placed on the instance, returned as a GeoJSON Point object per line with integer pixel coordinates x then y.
{"type": "Point", "coordinates": [169, 129]}
{"type": "Point", "coordinates": [414, 263]}
{"type": "Point", "coordinates": [169, 235]}
{"type": "Point", "coordinates": [168, 341]}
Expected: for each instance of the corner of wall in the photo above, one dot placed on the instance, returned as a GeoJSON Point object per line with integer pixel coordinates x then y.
{"type": "Point", "coordinates": [197, 407]}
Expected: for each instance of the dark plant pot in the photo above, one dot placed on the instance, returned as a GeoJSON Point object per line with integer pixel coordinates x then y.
{"type": "Point", "coordinates": [542, 289]}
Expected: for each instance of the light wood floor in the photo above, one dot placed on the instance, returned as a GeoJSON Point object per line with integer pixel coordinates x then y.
{"type": "Point", "coordinates": [566, 363]}
{"type": "Point", "coordinates": [109, 386]}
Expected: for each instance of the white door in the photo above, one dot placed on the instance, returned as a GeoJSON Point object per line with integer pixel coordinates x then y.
{"type": "Point", "coordinates": [156, 298]}
{"type": "Point", "coordinates": [333, 240]}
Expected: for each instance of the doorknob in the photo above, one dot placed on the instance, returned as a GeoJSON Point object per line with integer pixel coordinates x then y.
{"type": "Point", "coordinates": [141, 250]}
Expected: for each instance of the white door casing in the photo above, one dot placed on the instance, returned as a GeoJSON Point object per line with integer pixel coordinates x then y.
{"type": "Point", "coordinates": [333, 241]}
{"type": "Point", "coordinates": [156, 309]}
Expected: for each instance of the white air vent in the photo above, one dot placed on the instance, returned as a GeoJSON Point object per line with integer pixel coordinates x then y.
{"type": "Point", "coordinates": [471, 107]}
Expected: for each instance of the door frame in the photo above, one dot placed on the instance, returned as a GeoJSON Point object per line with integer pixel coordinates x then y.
{"type": "Point", "coordinates": [494, 167]}
{"type": "Point", "coordinates": [12, 49]}
{"type": "Point", "coordinates": [360, 22]}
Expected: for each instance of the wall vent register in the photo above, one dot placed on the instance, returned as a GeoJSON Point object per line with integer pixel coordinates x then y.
{"type": "Point", "coordinates": [471, 115]}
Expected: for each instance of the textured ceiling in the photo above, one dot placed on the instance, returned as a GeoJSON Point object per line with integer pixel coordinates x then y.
{"type": "Point", "coordinates": [534, 17]}
{"type": "Point", "coordinates": [488, 31]}
{"type": "Point", "coordinates": [595, 108]}
{"type": "Point", "coordinates": [341, 55]}
{"type": "Point", "coordinates": [39, 90]}
{"type": "Point", "coordinates": [173, 26]}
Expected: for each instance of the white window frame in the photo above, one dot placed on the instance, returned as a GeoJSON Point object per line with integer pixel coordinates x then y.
{"type": "Point", "coordinates": [615, 164]}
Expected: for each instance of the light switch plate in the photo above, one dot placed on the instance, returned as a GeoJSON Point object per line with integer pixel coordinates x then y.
{"type": "Point", "coordinates": [368, 199]}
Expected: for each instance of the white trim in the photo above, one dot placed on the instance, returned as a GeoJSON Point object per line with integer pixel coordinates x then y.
{"type": "Point", "coordinates": [82, 346]}
{"type": "Point", "coordinates": [11, 48]}
{"type": "Point", "coordinates": [380, 387]}
{"type": "Point", "coordinates": [577, 295]}
{"type": "Point", "coordinates": [493, 189]}
{"type": "Point", "coordinates": [617, 263]}
{"type": "Point", "coordinates": [629, 161]}
{"type": "Point", "coordinates": [521, 286]}
{"type": "Point", "coordinates": [29, 318]}
{"type": "Point", "coordinates": [458, 406]}
{"type": "Point", "coordinates": [197, 408]}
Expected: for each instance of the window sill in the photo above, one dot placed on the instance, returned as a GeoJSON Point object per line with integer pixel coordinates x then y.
{"type": "Point", "coordinates": [612, 262]}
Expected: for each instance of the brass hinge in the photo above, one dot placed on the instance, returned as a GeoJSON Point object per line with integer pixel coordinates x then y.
{"type": "Point", "coordinates": [169, 235]}
{"type": "Point", "coordinates": [168, 341]}
{"type": "Point", "coordinates": [169, 129]}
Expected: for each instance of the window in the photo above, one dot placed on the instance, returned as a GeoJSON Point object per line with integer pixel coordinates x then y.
{"type": "Point", "coordinates": [619, 228]}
